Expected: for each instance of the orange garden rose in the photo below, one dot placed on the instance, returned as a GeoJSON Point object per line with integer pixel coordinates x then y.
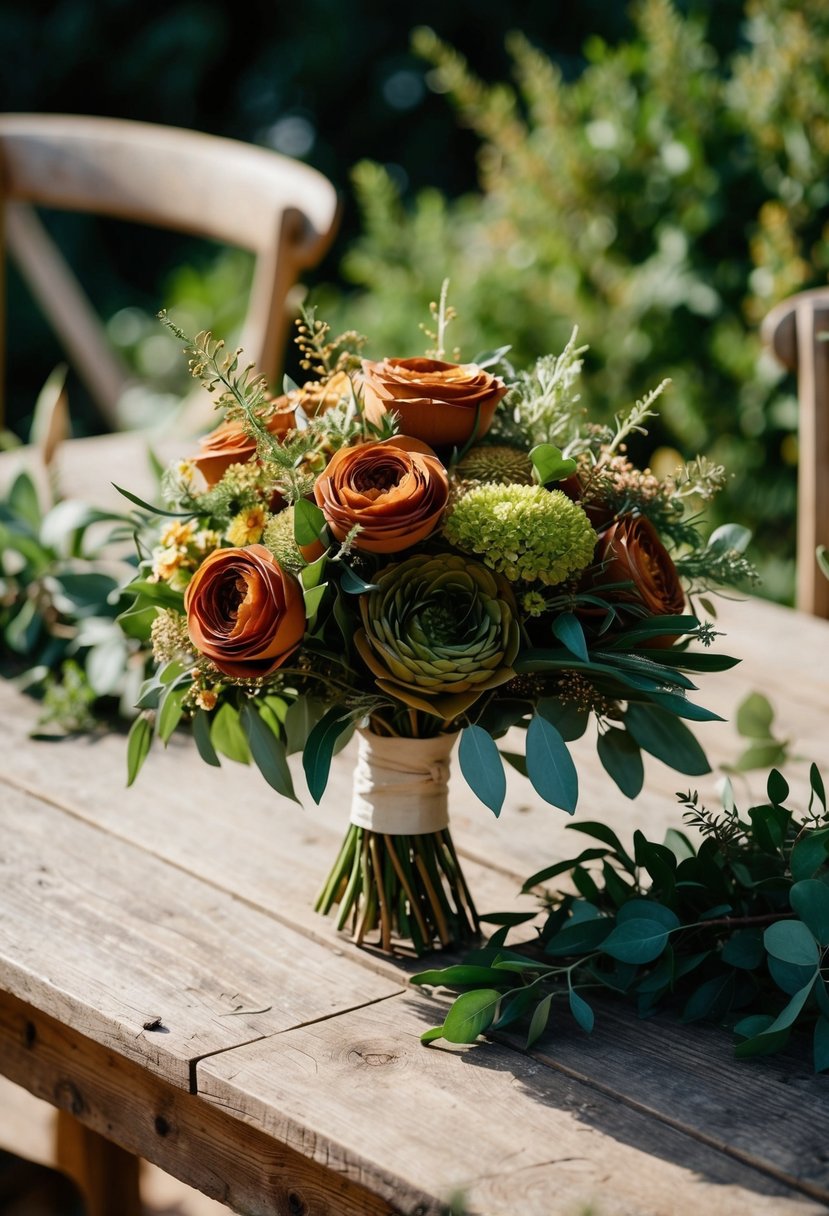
{"type": "Point", "coordinates": [630, 551]}
{"type": "Point", "coordinates": [244, 611]}
{"type": "Point", "coordinates": [395, 489]}
{"type": "Point", "coordinates": [437, 402]}
{"type": "Point", "coordinates": [229, 443]}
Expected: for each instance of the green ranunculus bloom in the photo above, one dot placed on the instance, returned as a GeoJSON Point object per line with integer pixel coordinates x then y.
{"type": "Point", "coordinates": [438, 631]}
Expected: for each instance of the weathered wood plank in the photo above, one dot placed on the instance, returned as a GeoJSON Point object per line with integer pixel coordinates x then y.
{"type": "Point", "coordinates": [148, 1116]}
{"type": "Point", "coordinates": [107, 938]}
{"type": "Point", "coordinates": [27, 1129]}
{"type": "Point", "coordinates": [771, 1114]}
{"type": "Point", "coordinates": [417, 1125]}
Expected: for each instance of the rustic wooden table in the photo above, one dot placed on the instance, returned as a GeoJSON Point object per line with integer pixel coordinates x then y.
{"type": "Point", "coordinates": [164, 980]}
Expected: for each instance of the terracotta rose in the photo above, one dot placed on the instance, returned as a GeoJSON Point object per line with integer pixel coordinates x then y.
{"type": "Point", "coordinates": [630, 551]}
{"type": "Point", "coordinates": [229, 443]}
{"type": "Point", "coordinates": [437, 402]}
{"type": "Point", "coordinates": [395, 489]}
{"type": "Point", "coordinates": [244, 611]}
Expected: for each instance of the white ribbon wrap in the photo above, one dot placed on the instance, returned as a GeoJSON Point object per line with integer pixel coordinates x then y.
{"type": "Point", "coordinates": [401, 785]}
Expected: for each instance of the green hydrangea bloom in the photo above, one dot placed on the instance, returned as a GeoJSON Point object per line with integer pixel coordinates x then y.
{"type": "Point", "coordinates": [525, 532]}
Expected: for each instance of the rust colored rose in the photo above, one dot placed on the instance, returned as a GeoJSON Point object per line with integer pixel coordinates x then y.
{"type": "Point", "coordinates": [229, 443]}
{"type": "Point", "coordinates": [441, 403]}
{"type": "Point", "coordinates": [395, 489]}
{"type": "Point", "coordinates": [630, 551]}
{"type": "Point", "coordinates": [244, 611]}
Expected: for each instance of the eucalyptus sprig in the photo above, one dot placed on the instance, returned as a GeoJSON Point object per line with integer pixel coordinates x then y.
{"type": "Point", "coordinates": [734, 930]}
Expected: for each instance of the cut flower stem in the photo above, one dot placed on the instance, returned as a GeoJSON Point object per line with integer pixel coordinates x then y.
{"type": "Point", "coordinates": [408, 888]}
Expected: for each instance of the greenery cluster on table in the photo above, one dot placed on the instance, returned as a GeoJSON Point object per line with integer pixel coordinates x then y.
{"type": "Point", "coordinates": [734, 929]}
{"type": "Point", "coordinates": [60, 594]}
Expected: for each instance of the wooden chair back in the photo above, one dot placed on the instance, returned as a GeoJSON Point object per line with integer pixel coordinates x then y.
{"type": "Point", "coordinates": [797, 332]}
{"type": "Point", "coordinates": [245, 196]}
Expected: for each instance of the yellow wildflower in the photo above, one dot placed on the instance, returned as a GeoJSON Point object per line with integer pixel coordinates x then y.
{"type": "Point", "coordinates": [246, 528]}
{"type": "Point", "coordinates": [206, 698]}
{"type": "Point", "coordinates": [176, 534]}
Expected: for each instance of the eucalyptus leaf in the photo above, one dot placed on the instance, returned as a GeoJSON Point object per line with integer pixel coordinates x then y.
{"type": "Point", "coordinates": [712, 999]}
{"type": "Point", "coordinates": [638, 940]}
{"type": "Point", "coordinates": [539, 1020]}
{"type": "Point", "coordinates": [268, 752]}
{"type": "Point", "coordinates": [580, 937]}
{"type": "Point", "coordinates": [482, 767]}
{"type": "Point", "coordinates": [472, 1014]}
{"type": "Point", "coordinates": [459, 976]}
{"type": "Point", "coordinates": [810, 854]}
{"type": "Point", "coordinates": [568, 630]}
{"type": "Point", "coordinates": [581, 1011]}
{"type": "Point", "coordinates": [227, 736]}
{"type": "Point", "coordinates": [755, 716]}
{"type": "Point", "coordinates": [810, 900]}
{"type": "Point", "coordinates": [201, 735]}
{"type": "Point", "coordinates": [170, 712]}
{"type": "Point", "coordinates": [665, 737]}
{"type": "Point", "coordinates": [550, 766]}
{"type": "Point", "coordinates": [791, 942]}
{"type": "Point", "coordinates": [352, 583]}
{"type": "Point", "coordinates": [139, 742]}
{"type": "Point", "coordinates": [319, 748]}
{"type": "Point", "coordinates": [622, 760]}
{"type": "Point", "coordinates": [777, 787]}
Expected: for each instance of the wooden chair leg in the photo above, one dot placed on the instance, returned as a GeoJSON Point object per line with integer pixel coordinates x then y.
{"type": "Point", "coordinates": [106, 1174]}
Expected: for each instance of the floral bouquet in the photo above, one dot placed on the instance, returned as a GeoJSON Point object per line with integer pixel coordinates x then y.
{"type": "Point", "coordinates": [425, 552]}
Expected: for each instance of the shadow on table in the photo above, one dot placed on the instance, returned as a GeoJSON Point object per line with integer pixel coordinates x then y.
{"type": "Point", "coordinates": [674, 1092]}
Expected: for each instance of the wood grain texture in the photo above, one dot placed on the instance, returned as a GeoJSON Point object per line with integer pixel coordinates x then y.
{"type": "Point", "coordinates": [108, 939]}
{"type": "Point", "coordinates": [27, 1129]}
{"type": "Point", "coordinates": [149, 1117]}
{"type": "Point", "coordinates": [772, 1115]}
{"type": "Point", "coordinates": [417, 1125]}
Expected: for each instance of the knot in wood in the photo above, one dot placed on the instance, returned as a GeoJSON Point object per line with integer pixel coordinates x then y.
{"type": "Point", "coordinates": [69, 1097]}
{"type": "Point", "coordinates": [375, 1055]}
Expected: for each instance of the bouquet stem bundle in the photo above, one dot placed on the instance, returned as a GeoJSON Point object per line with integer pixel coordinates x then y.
{"type": "Point", "coordinates": [410, 887]}
{"type": "Point", "coordinates": [397, 870]}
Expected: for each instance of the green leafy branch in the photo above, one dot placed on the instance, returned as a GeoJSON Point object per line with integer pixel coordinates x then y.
{"type": "Point", "coordinates": [735, 930]}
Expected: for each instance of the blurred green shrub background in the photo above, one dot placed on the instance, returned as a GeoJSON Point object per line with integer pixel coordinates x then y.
{"type": "Point", "coordinates": [656, 173]}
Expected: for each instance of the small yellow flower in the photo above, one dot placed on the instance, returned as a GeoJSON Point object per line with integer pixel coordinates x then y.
{"type": "Point", "coordinates": [246, 528]}
{"type": "Point", "coordinates": [185, 470]}
{"type": "Point", "coordinates": [177, 534]}
{"type": "Point", "coordinates": [206, 698]}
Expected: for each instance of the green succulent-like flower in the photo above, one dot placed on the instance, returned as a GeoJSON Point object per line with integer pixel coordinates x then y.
{"type": "Point", "coordinates": [525, 532]}
{"type": "Point", "coordinates": [438, 631]}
